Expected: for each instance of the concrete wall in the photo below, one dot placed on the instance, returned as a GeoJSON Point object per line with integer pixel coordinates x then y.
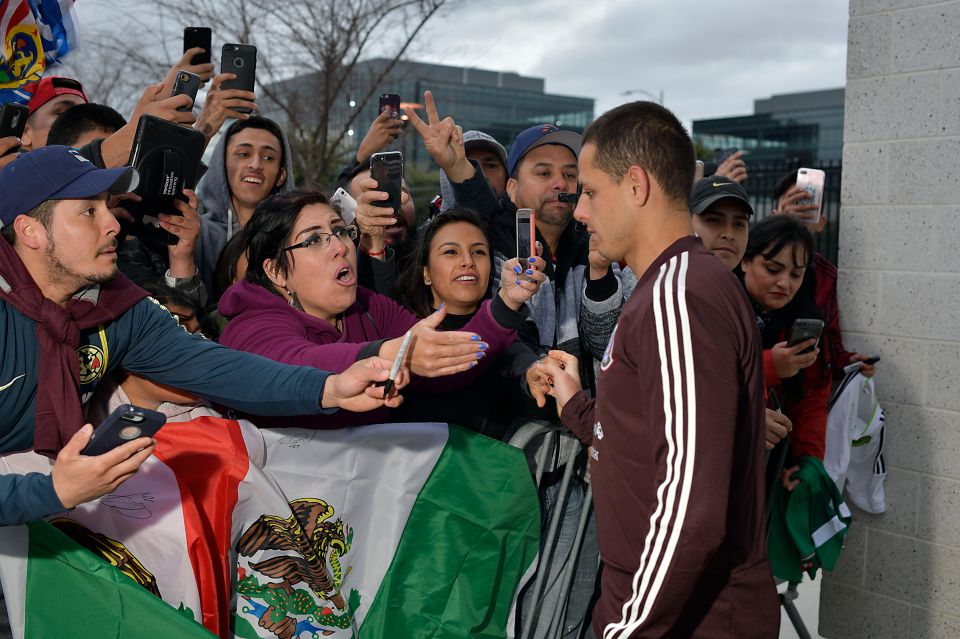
{"type": "Point", "coordinates": [900, 297]}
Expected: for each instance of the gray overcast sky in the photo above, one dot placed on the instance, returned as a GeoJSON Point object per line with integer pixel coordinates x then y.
{"type": "Point", "coordinates": [710, 59]}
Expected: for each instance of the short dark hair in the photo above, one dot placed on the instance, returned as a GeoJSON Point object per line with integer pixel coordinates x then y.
{"type": "Point", "coordinates": [265, 235]}
{"type": "Point", "coordinates": [648, 135]}
{"type": "Point", "coordinates": [81, 119]}
{"type": "Point", "coordinates": [411, 290]}
{"type": "Point", "coordinates": [260, 122]}
{"type": "Point", "coordinates": [784, 183]}
{"type": "Point", "coordinates": [42, 213]}
{"type": "Point", "coordinates": [167, 295]}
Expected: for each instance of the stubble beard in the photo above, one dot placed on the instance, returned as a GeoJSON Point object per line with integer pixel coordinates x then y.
{"type": "Point", "coordinates": [62, 274]}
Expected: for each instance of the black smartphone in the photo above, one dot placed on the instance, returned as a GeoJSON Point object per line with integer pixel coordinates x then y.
{"type": "Point", "coordinates": [13, 118]}
{"type": "Point", "coordinates": [198, 37]}
{"type": "Point", "coordinates": [390, 102]}
{"type": "Point", "coordinates": [805, 329]}
{"type": "Point", "coordinates": [387, 169]}
{"type": "Point", "coordinates": [526, 235]}
{"type": "Point", "coordinates": [723, 154]}
{"type": "Point", "coordinates": [126, 423]}
{"type": "Point", "coordinates": [167, 156]}
{"type": "Point", "coordinates": [186, 83]}
{"type": "Point", "coordinates": [241, 60]}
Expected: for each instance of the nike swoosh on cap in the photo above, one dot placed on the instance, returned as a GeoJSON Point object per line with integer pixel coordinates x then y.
{"type": "Point", "coordinates": [10, 383]}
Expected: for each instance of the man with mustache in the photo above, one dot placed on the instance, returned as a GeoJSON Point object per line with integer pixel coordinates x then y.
{"type": "Point", "coordinates": [68, 320]}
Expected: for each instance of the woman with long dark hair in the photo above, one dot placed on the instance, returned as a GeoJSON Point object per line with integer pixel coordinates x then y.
{"type": "Point", "coordinates": [777, 274]}
{"type": "Point", "coordinates": [451, 265]}
{"type": "Point", "coordinates": [300, 304]}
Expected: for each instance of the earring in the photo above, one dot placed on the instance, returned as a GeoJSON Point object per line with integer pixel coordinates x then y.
{"type": "Point", "coordinates": [294, 300]}
{"type": "Point", "coordinates": [427, 281]}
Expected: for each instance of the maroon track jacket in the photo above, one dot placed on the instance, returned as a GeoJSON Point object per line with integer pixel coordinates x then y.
{"type": "Point", "coordinates": [677, 431]}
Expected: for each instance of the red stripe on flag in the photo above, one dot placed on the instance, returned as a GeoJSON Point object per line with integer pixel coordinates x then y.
{"type": "Point", "coordinates": [209, 458]}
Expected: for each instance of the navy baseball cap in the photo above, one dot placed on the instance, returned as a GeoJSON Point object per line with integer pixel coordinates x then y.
{"type": "Point", "coordinates": [57, 173]}
{"type": "Point", "coordinates": [711, 190]}
{"type": "Point", "coordinates": [538, 136]}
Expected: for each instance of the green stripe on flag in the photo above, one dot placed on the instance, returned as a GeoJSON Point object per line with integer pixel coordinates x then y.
{"type": "Point", "coordinates": [459, 561]}
{"type": "Point", "coordinates": [72, 592]}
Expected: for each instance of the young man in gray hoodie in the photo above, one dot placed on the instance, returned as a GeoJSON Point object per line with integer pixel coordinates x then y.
{"type": "Point", "coordinates": [252, 160]}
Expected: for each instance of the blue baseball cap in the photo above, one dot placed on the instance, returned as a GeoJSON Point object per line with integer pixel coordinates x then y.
{"type": "Point", "coordinates": [538, 136]}
{"type": "Point", "coordinates": [57, 173]}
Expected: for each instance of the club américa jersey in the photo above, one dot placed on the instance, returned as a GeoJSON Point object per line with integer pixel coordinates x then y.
{"type": "Point", "coordinates": [677, 459]}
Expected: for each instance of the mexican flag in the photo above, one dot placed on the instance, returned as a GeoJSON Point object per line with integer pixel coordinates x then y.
{"type": "Point", "coordinates": [394, 530]}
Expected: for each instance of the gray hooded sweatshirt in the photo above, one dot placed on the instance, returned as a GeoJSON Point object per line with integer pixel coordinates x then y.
{"type": "Point", "coordinates": [218, 220]}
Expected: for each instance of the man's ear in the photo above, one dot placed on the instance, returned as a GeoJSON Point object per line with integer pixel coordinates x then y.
{"type": "Point", "coordinates": [639, 183]}
{"type": "Point", "coordinates": [26, 138]}
{"type": "Point", "coordinates": [30, 232]}
{"type": "Point", "coordinates": [281, 179]}
{"type": "Point", "coordinates": [274, 274]}
{"type": "Point", "coordinates": [512, 189]}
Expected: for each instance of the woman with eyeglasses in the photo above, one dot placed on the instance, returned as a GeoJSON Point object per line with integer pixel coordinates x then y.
{"type": "Point", "coordinates": [300, 304]}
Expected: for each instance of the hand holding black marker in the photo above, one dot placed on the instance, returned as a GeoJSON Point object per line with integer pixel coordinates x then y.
{"type": "Point", "coordinates": [397, 363]}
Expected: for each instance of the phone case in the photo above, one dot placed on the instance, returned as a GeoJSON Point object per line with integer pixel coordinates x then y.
{"type": "Point", "coordinates": [167, 157]}
{"type": "Point", "coordinates": [13, 119]}
{"type": "Point", "coordinates": [387, 170]}
{"type": "Point", "coordinates": [198, 37]}
{"type": "Point", "coordinates": [804, 329]}
{"type": "Point", "coordinates": [812, 180]}
{"type": "Point", "coordinates": [126, 423]}
{"type": "Point", "coordinates": [345, 204]}
{"type": "Point", "coordinates": [525, 234]}
{"type": "Point", "coordinates": [390, 101]}
{"type": "Point", "coordinates": [187, 84]}
{"type": "Point", "coordinates": [239, 59]}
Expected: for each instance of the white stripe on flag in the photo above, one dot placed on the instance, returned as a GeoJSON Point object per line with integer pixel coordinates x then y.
{"type": "Point", "coordinates": [14, 542]}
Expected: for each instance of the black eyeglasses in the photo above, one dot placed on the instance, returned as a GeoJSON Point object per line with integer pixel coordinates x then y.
{"type": "Point", "coordinates": [322, 240]}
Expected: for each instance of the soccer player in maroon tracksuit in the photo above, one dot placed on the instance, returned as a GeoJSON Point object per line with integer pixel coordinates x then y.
{"type": "Point", "coordinates": [677, 426]}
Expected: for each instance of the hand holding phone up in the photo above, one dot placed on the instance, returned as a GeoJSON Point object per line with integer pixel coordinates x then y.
{"type": "Point", "coordinates": [79, 477]}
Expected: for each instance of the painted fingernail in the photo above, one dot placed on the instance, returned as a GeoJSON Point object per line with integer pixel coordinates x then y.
{"type": "Point", "coordinates": [484, 346]}
{"type": "Point", "coordinates": [472, 364]}
{"type": "Point", "coordinates": [475, 337]}
{"type": "Point", "coordinates": [480, 355]}
{"type": "Point", "coordinates": [442, 305]}
{"type": "Point", "coordinates": [532, 260]}
{"type": "Point", "coordinates": [529, 272]}
{"type": "Point", "coordinates": [517, 270]}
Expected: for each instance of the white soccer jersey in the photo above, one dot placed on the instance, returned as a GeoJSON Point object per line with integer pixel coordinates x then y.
{"type": "Point", "coordinates": [854, 450]}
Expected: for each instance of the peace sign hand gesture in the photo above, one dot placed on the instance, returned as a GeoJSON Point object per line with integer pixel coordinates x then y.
{"type": "Point", "coordinates": [443, 140]}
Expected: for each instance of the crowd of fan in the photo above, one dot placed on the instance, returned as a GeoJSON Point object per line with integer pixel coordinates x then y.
{"type": "Point", "coordinates": [262, 265]}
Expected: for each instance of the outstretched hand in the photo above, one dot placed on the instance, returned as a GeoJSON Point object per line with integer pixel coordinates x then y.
{"type": "Point", "coordinates": [556, 375]}
{"type": "Point", "coordinates": [436, 353]}
{"type": "Point", "coordinates": [355, 389]}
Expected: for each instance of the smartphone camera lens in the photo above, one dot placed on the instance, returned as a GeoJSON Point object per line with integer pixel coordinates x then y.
{"type": "Point", "coordinates": [184, 77]}
{"type": "Point", "coordinates": [129, 432]}
{"type": "Point", "coordinates": [131, 416]}
{"type": "Point", "coordinates": [238, 62]}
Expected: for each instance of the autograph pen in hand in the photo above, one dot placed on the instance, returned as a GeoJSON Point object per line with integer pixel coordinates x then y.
{"type": "Point", "coordinates": [397, 363]}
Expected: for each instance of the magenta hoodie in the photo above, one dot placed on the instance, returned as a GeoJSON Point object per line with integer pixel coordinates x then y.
{"type": "Point", "coordinates": [265, 324]}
